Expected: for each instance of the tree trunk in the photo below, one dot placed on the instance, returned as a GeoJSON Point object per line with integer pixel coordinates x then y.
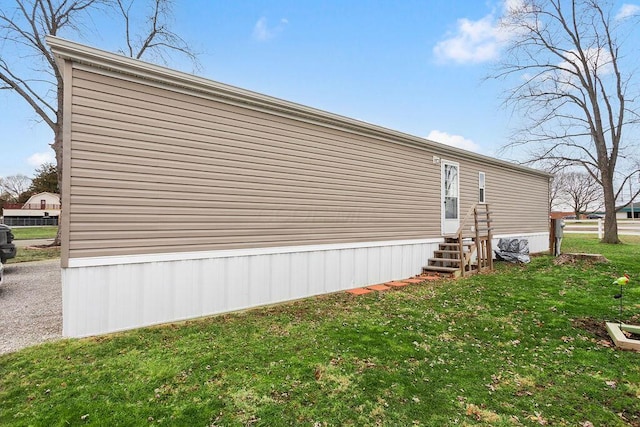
{"type": "Point", "coordinates": [57, 148]}
{"type": "Point", "coordinates": [610, 220]}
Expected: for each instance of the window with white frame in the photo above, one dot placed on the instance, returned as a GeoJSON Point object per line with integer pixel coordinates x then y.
{"type": "Point", "coordinates": [481, 194]}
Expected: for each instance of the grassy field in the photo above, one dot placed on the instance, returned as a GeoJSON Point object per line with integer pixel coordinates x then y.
{"type": "Point", "coordinates": [524, 346]}
{"type": "Point", "coordinates": [35, 254]}
{"type": "Point", "coordinates": [27, 233]}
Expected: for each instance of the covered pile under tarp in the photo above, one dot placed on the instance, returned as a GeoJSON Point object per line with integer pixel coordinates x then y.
{"type": "Point", "coordinates": [513, 250]}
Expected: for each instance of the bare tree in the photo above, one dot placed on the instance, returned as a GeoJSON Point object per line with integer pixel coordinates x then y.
{"type": "Point", "coordinates": [153, 37]}
{"type": "Point", "coordinates": [580, 191]}
{"type": "Point", "coordinates": [555, 201]}
{"type": "Point", "coordinates": [14, 186]}
{"type": "Point", "coordinates": [572, 91]}
{"type": "Point", "coordinates": [28, 68]}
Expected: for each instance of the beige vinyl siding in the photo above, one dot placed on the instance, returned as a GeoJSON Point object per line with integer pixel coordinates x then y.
{"type": "Point", "coordinates": [520, 203]}
{"type": "Point", "coordinates": [159, 171]}
{"type": "Point", "coordinates": [518, 200]}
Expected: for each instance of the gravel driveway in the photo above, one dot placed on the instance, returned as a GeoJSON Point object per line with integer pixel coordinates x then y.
{"type": "Point", "coordinates": [30, 304]}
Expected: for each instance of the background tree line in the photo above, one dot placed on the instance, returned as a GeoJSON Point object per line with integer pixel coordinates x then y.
{"type": "Point", "coordinates": [18, 188]}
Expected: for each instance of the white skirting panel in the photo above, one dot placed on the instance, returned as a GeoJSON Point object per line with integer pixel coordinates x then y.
{"type": "Point", "coordinates": [108, 296]}
{"type": "Point", "coordinates": [102, 295]}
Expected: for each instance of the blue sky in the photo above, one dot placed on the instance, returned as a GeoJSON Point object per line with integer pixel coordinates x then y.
{"type": "Point", "coordinates": [412, 66]}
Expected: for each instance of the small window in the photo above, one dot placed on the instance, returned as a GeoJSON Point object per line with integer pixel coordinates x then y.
{"type": "Point", "coordinates": [481, 194]}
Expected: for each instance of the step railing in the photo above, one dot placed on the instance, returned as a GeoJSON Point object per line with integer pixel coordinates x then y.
{"type": "Point", "coordinates": [465, 257]}
{"type": "Point", "coordinates": [481, 242]}
{"type": "Point", "coordinates": [484, 237]}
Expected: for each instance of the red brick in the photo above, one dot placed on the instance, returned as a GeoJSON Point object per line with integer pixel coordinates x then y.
{"type": "Point", "coordinates": [378, 287]}
{"type": "Point", "coordinates": [396, 284]}
{"type": "Point", "coordinates": [359, 291]}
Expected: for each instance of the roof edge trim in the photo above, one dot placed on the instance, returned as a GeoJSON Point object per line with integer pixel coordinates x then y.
{"type": "Point", "coordinates": [66, 50]}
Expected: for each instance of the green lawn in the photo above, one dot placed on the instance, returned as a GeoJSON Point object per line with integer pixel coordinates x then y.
{"type": "Point", "coordinates": [27, 233]}
{"type": "Point", "coordinates": [35, 254]}
{"type": "Point", "coordinates": [524, 346]}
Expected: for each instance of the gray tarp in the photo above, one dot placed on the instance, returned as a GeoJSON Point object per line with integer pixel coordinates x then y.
{"type": "Point", "coordinates": [513, 250]}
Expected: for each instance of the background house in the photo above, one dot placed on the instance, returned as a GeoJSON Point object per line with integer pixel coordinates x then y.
{"type": "Point", "coordinates": [626, 212]}
{"type": "Point", "coordinates": [562, 215]}
{"type": "Point", "coordinates": [40, 209]}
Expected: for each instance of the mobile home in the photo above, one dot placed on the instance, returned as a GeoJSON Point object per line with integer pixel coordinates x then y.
{"type": "Point", "coordinates": [184, 197]}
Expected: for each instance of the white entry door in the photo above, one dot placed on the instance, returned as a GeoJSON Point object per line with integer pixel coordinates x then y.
{"type": "Point", "coordinates": [450, 197]}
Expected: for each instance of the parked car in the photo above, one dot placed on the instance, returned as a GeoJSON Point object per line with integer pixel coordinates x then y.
{"type": "Point", "coordinates": [570, 217]}
{"type": "Point", "coordinates": [594, 216]}
{"type": "Point", "coordinates": [7, 248]}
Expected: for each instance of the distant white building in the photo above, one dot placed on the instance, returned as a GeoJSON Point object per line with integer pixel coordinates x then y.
{"type": "Point", "coordinates": [628, 212]}
{"type": "Point", "coordinates": [40, 209]}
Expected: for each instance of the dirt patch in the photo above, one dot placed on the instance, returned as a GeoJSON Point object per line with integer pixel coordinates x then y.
{"type": "Point", "coordinates": [634, 320]}
{"type": "Point", "coordinates": [42, 246]}
{"type": "Point", "coordinates": [584, 258]}
{"type": "Point", "coordinates": [598, 328]}
{"type": "Point", "coordinates": [595, 327]}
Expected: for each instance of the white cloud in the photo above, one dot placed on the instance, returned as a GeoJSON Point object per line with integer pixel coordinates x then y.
{"type": "Point", "coordinates": [477, 41]}
{"type": "Point", "coordinates": [262, 32]}
{"type": "Point", "coordinates": [38, 159]}
{"type": "Point", "coordinates": [562, 78]}
{"type": "Point", "coordinates": [453, 140]}
{"type": "Point", "coordinates": [627, 10]}
{"type": "Point", "coordinates": [513, 5]}
{"type": "Point", "coordinates": [597, 59]}
{"type": "Point", "coordinates": [473, 42]}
